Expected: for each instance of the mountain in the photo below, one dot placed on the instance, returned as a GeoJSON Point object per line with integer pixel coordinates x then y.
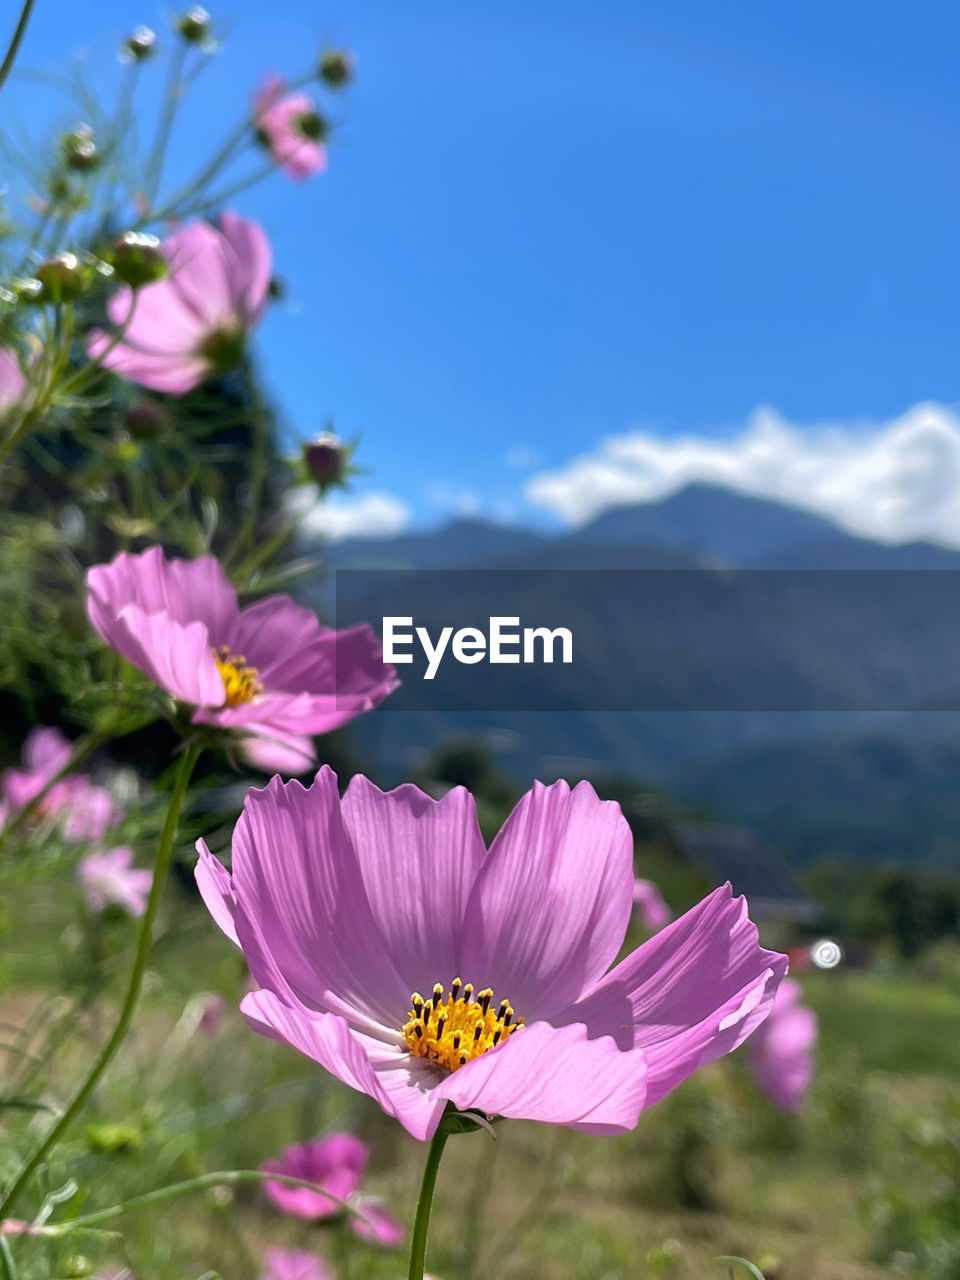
{"type": "Point", "coordinates": [458, 545]}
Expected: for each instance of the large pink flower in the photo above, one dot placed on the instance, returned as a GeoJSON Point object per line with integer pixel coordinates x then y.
{"type": "Point", "coordinates": [335, 1163]}
{"type": "Point", "coordinates": [13, 384]}
{"type": "Point", "coordinates": [86, 810]}
{"type": "Point", "coordinates": [293, 1264]}
{"type": "Point", "coordinates": [110, 879]}
{"type": "Point", "coordinates": [781, 1053]}
{"type": "Point", "coordinates": [389, 945]}
{"type": "Point", "coordinates": [191, 325]}
{"type": "Point", "coordinates": [268, 671]}
{"type": "Point", "coordinates": [288, 124]}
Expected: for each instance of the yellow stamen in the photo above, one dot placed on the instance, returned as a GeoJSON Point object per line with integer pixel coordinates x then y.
{"type": "Point", "coordinates": [455, 1029]}
{"type": "Point", "coordinates": [240, 682]}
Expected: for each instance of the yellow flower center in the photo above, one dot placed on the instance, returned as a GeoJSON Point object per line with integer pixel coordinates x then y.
{"type": "Point", "coordinates": [240, 682]}
{"type": "Point", "coordinates": [451, 1030]}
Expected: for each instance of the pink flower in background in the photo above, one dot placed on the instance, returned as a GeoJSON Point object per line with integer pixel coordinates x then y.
{"type": "Point", "coordinates": [192, 324]}
{"type": "Point", "coordinates": [87, 811]}
{"type": "Point", "coordinates": [280, 753]}
{"type": "Point", "coordinates": [366, 923]}
{"type": "Point", "coordinates": [288, 124]}
{"type": "Point", "coordinates": [781, 1053]}
{"type": "Point", "coordinates": [293, 1264]}
{"type": "Point", "coordinates": [335, 1163]}
{"type": "Point", "coordinates": [378, 1225]}
{"type": "Point", "coordinates": [650, 906]}
{"type": "Point", "coordinates": [12, 382]}
{"type": "Point", "coordinates": [213, 1015]}
{"type": "Point", "coordinates": [270, 670]}
{"type": "Point", "coordinates": [110, 879]}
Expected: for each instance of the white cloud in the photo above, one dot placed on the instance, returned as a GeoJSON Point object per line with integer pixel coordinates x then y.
{"type": "Point", "coordinates": [895, 480]}
{"type": "Point", "coordinates": [369, 515]}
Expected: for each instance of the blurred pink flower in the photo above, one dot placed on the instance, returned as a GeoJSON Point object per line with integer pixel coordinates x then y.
{"type": "Point", "coordinates": [345, 908]}
{"type": "Point", "coordinates": [292, 1264]}
{"type": "Point", "coordinates": [781, 1050]}
{"type": "Point", "coordinates": [269, 670]}
{"type": "Point", "coordinates": [650, 906]}
{"type": "Point", "coordinates": [335, 1163]}
{"type": "Point", "coordinates": [213, 1014]}
{"type": "Point", "coordinates": [280, 753]}
{"type": "Point", "coordinates": [12, 382]}
{"type": "Point", "coordinates": [87, 810]}
{"type": "Point", "coordinates": [378, 1225]}
{"type": "Point", "coordinates": [192, 324]}
{"type": "Point", "coordinates": [108, 878]}
{"type": "Point", "coordinates": [290, 127]}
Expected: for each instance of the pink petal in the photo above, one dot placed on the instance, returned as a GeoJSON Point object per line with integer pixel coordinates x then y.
{"type": "Point", "coordinates": [173, 374]}
{"type": "Point", "coordinates": [326, 1038]}
{"type": "Point", "coordinates": [335, 1163]}
{"type": "Point", "coordinates": [297, 882]}
{"type": "Point", "coordinates": [551, 903]}
{"type": "Point", "coordinates": [556, 1076]}
{"type": "Point", "coordinates": [216, 889]}
{"type": "Point", "coordinates": [249, 265]}
{"type": "Point", "coordinates": [197, 256]}
{"type": "Point", "coordinates": [161, 323]}
{"type": "Point", "coordinates": [377, 1225]}
{"type": "Point", "coordinates": [688, 995]}
{"type": "Point", "coordinates": [419, 858]}
{"type": "Point", "coordinates": [46, 750]}
{"type": "Point", "coordinates": [175, 657]}
{"type": "Point", "coordinates": [277, 752]}
{"type": "Point", "coordinates": [188, 590]}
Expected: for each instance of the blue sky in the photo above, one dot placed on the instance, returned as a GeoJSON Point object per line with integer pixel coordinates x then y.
{"type": "Point", "coordinates": [549, 224]}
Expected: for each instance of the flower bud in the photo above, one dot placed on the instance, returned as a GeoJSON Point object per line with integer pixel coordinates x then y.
{"type": "Point", "coordinates": [77, 1266]}
{"type": "Point", "coordinates": [326, 460]}
{"type": "Point", "coordinates": [145, 419]}
{"type": "Point", "coordinates": [194, 25]}
{"type": "Point", "coordinates": [137, 260]}
{"type": "Point", "coordinates": [337, 68]}
{"type": "Point", "coordinates": [79, 149]}
{"type": "Point", "coordinates": [139, 45]}
{"type": "Point", "coordinates": [313, 126]}
{"type": "Point", "coordinates": [64, 278]}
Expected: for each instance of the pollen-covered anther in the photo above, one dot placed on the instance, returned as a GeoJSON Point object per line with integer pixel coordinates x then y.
{"type": "Point", "coordinates": [240, 682]}
{"type": "Point", "coordinates": [453, 1029]}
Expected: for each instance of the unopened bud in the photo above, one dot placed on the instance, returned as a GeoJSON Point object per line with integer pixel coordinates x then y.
{"type": "Point", "coordinates": [194, 25]}
{"type": "Point", "coordinates": [64, 278]}
{"type": "Point", "coordinates": [337, 68]}
{"type": "Point", "coordinates": [77, 1266]}
{"type": "Point", "coordinates": [326, 459]}
{"type": "Point", "coordinates": [139, 45]}
{"type": "Point", "coordinates": [79, 149]}
{"type": "Point", "coordinates": [145, 419]}
{"type": "Point", "coordinates": [137, 259]}
{"type": "Point", "coordinates": [313, 126]}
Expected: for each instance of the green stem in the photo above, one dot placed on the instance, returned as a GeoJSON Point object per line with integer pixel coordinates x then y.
{"type": "Point", "coordinates": [171, 104]}
{"type": "Point", "coordinates": [418, 1243]}
{"type": "Point", "coordinates": [14, 46]}
{"type": "Point", "coordinates": [164, 856]}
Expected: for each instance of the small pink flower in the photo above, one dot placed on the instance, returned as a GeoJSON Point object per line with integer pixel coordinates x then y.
{"type": "Point", "coordinates": [366, 921]}
{"type": "Point", "coordinates": [378, 1225]}
{"type": "Point", "coordinates": [213, 1014]}
{"type": "Point", "coordinates": [270, 670]}
{"type": "Point", "coordinates": [13, 384]}
{"type": "Point", "coordinates": [290, 127]}
{"type": "Point", "coordinates": [293, 1264]}
{"type": "Point", "coordinates": [781, 1051]}
{"type": "Point", "coordinates": [108, 878]}
{"type": "Point", "coordinates": [192, 324]}
{"type": "Point", "coordinates": [87, 811]}
{"type": "Point", "coordinates": [650, 906]}
{"type": "Point", "coordinates": [335, 1163]}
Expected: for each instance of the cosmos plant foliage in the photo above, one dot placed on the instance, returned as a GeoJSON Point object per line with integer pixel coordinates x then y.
{"type": "Point", "coordinates": [145, 541]}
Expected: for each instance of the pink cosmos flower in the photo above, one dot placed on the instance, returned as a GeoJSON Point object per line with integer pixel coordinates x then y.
{"type": "Point", "coordinates": [292, 1264]}
{"type": "Point", "coordinates": [650, 906]}
{"type": "Point", "coordinates": [781, 1053]}
{"type": "Point", "coordinates": [378, 1225]}
{"type": "Point", "coordinates": [13, 384]}
{"type": "Point", "coordinates": [108, 878]}
{"type": "Point", "coordinates": [87, 810]}
{"type": "Point", "coordinates": [347, 911]}
{"type": "Point", "coordinates": [270, 670]}
{"type": "Point", "coordinates": [191, 325]}
{"type": "Point", "coordinates": [335, 1163]}
{"type": "Point", "coordinates": [289, 126]}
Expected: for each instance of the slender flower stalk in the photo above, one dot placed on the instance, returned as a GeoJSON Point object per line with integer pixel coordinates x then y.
{"type": "Point", "coordinates": [421, 1223]}
{"type": "Point", "coordinates": [162, 866]}
{"type": "Point", "coordinates": [14, 47]}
